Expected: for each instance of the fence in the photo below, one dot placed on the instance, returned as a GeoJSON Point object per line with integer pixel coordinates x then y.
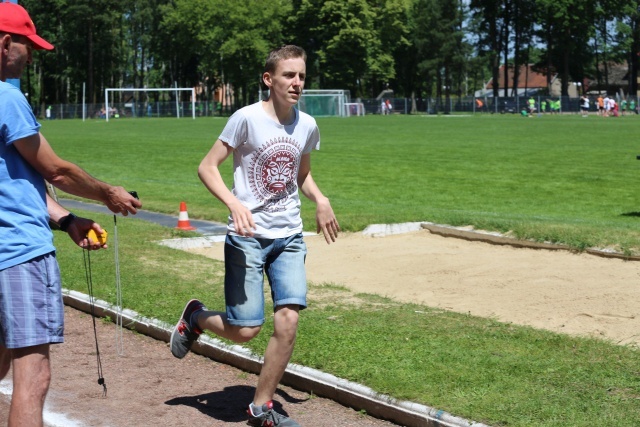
{"type": "Point", "coordinates": [465, 105]}
{"type": "Point", "coordinates": [500, 105]}
{"type": "Point", "coordinates": [134, 110]}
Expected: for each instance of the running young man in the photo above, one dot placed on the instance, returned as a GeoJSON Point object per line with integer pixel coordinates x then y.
{"type": "Point", "coordinates": [271, 142]}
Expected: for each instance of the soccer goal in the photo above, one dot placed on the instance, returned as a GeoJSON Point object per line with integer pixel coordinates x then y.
{"type": "Point", "coordinates": [136, 109]}
{"type": "Point", "coordinates": [324, 102]}
{"type": "Point", "coordinates": [353, 109]}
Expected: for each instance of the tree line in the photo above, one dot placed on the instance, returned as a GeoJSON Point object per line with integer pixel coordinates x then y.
{"type": "Point", "coordinates": [417, 48]}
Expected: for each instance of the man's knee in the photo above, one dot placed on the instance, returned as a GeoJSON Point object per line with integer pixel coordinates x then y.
{"type": "Point", "coordinates": [32, 371]}
{"type": "Point", "coordinates": [246, 333]}
{"type": "Point", "coordinates": [286, 320]}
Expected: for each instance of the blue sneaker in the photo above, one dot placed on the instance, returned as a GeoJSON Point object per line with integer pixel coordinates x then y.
{"type": "Point", "coordinates": [269, 418]}
{"type": "Point", "coordinates": [184, 334]}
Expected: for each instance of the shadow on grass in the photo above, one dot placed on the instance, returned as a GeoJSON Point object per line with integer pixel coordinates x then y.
{"type": "Point", "coordinates": [637, 214]}
{"type": "Point", "coordinates": [229, 405]}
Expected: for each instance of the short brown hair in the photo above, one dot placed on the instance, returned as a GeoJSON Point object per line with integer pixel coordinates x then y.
{"type": "Point", "coordinates": [283, 52]}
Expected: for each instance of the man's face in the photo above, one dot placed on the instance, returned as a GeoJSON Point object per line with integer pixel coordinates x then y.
{"type": "Point", "coordinates": [287, 82]}
{"type": "Point", "coordinates": [19, 54]}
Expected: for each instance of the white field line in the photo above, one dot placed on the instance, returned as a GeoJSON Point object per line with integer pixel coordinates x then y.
{"type": "Point", "coordinates": [50, 418]}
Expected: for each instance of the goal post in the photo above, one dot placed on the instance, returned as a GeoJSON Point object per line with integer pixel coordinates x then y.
{"type": "Point", "coordinates": [324, 102]}
{"type": "Point", "coordinates": [165, 89]}
{"type": "Point", "coordinates": [353, 109]}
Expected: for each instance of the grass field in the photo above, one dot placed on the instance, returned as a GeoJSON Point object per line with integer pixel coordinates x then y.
{"type": "Point", "coordinates": [566, 179]}
{"type": "Point", "coordinates": [563, 179]}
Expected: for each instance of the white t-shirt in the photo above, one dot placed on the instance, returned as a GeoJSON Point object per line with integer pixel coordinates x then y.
{"type": "Point", "coordinates": [266, 160]}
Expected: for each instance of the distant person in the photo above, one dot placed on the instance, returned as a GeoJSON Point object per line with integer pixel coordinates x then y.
{"type": "Point", "coordinates": [543, 106]}
{"type": "Point", "coordinates": [48, 113]}
{"type": "Point", "coordinates": [31, 307]}
{"type": "Point", "coordinates": [584, 105]}
{"type": "Point", "coordinates": [632, 106]}
{"type": "Point", "coordinates": [389, 106]}
{"type": "Point", "coordinates": [614, 107]}
{"type": "Point", "coordinates": [383, 107]}
{"type": "Point", "coordinates": [271, 143]}
{"type": "Point", "coordinates": [600, 102]}
{"type": "Point", "coordinates": [623, 106]}
{"type": "Point", "coordinates": [607, 105]}
{"type": "Point", "coordinates": [479, 105]}
{"type": "Point", "coordinates": [531, 105]}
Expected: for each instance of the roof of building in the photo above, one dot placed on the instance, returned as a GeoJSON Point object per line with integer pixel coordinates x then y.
{"type": "Point", "coordinates": [528, 77]}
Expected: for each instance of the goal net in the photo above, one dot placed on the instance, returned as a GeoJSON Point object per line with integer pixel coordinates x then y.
{"type": "Point", "coordinates": [141, 106]}
{"type": "Point", "coordinates": [353, 109]}
{"type": "Point", "coordinates": [324, 102]}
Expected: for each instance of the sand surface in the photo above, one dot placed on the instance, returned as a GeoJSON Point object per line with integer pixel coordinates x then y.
{"type": "Point", "coordinates": [558, 290]}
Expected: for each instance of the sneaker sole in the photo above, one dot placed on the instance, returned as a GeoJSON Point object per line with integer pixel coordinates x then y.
{"type": "Point", "coordinates": [175, 328]}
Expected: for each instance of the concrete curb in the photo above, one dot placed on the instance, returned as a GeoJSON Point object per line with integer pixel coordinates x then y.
{"type": "Point", "coordinates": [499, 239]}
{"type": "Point", "coordinates": [494, 238]}
{"type": "Point", "coordinates": [300, 377]}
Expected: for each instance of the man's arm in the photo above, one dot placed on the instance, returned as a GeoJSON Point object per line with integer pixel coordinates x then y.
{"type": "Point", "coordinates": [76, 227]}
{"type": "Point", "coordinates": [71, 178]}
{"type": "Point", "coordinates": [209, 174]}
{"type": "Point", "coordinates": [325, 218]}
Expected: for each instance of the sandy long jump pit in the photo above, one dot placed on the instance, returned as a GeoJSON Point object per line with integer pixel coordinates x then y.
{"type": "Point", "coordinates": [557, 290]}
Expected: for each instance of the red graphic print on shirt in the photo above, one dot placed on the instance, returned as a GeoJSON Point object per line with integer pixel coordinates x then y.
{"type": "Point", "coordinates": [274, 170]}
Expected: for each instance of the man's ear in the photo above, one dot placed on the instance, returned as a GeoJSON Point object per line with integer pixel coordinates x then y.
{"type": "Point", "coordinates": [5, 41]}
{"type": "Point", "coordinates": [266, 78]}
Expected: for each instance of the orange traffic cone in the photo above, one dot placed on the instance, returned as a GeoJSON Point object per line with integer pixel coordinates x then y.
{"type": "Point", "coordinates": [183, 218]}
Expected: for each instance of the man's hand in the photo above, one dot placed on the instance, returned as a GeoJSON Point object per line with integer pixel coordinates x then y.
{"type": "Point", "coordinates": [242, 219]}
{"type": "Point", "coordinates": [120, 201]}
{"type": "Point", "coordinates": [78, 230]}
{"type": "Point", "coordinates": [326, 221]}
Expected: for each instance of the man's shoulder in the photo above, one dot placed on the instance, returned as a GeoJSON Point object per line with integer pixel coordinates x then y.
{"type": "Point", "coordinates": [9, 91]}
{"type": "Point", "coordinates": [306, 119]}
{"type": "Point", "coordinates": [244, 110]}
{"type": "Point", "coordinates": [243, 114]}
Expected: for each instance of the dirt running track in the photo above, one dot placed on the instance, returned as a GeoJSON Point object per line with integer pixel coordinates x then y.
{"type": "Point", "coordinates": [148, 387]}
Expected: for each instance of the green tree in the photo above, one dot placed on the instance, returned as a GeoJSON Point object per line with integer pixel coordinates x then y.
{"type": "Point", "coordinates": [439, 46]}
{"type": "Point", "coordinates": [489, 24]}
{"type": "Point", "coordinates": [346, 29]}
{"type": "Point", "coordinates": [627, 36]}
{"type": "Point", "coordinates": [86, 35]}
{"type": "Point", "coordinates": [391, 24]}
{"type": "Point", "coordinates": [523, 19]}
{"type": "Point", "coordinates": [218, 40]}
{"type": "Point", "coordinates": [567, 27]}
{"type": "Point", "coordinates": [303, 29]}
{"type": "Point", "coordinates": [44, 14]}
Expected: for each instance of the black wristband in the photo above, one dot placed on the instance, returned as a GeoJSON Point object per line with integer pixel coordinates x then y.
{"type": "Point", "coordinates": [66, 222]}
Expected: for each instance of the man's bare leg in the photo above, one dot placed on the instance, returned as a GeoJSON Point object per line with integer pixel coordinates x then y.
{"type": "Point", "coordinates": [5, 361]}
{"type": "Point", "coordinates": [31, 378]}
{"type": "Point", "coordinates": [278, 353]}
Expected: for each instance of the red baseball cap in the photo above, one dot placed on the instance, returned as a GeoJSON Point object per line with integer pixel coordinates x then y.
{"type": "Point", "coordinates": [14, 19]}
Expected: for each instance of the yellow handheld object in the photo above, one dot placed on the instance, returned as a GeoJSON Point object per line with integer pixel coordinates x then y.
{"type": "Point", "coordinates": [102, 239]}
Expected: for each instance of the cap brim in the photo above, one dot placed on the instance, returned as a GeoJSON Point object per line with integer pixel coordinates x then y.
{"type": "Point", "coordinates": [39, 43]}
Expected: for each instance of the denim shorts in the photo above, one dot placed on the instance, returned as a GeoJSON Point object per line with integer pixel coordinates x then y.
{"type": "Point", "coordinates": [247, 260]}
{"type": "Point", "coordinates": [31, 307]}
